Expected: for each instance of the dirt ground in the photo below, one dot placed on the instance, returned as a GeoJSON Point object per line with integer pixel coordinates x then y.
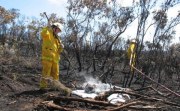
{"type": "Point", "coordinates": [19, 90]}
{"type": "Point", "coordinates": [19, 85]}
{"type": "Point", "coordinates": [22, 93]}
{"type": "Point", "coordinates": [19, 93]}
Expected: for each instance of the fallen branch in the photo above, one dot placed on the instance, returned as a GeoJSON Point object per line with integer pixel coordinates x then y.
{"type": "Point", "coordinates": [108, 93]}
{"type": "Point", "coordinates": [143, 88]}
{"type": "Point", "coordinates": [50, 104]}
{"type": "Point", "coordinates": [142, 108]}
{"type": "Point", "coordinates": [91, 101]}
{"type": "Point", "coordinates": [154, 89]}
{"type": "Point", "coordinates": [163, 101]}
{"type": "Point", "coordinates": [173, 92]}
{"type": "Point", "coordinates": [140, 96]}
{"type": "Point", "coordinates": [160, 93]}
{"type": "Point", "coordinates": [136, 107]}
{"type": "Point", "coordinates": [12, 102]}
{"type": "Point", "coordinates": [125, 105]}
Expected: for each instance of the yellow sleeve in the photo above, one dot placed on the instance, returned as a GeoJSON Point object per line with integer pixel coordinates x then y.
{"type": "Point", "coordinates": [60, 49]}
{"type": "Point", "coordinates": [130, 50]}
{"type": "Point", "coordinates": [45, 33]}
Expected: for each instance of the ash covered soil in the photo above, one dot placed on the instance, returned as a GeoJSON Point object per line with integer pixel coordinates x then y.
{"type": "Point", "coordinates": [19, 85]}
{"type": "Point", "coordinates": [19, 91]}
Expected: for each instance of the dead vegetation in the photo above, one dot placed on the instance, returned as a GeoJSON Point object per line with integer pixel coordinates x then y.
{"type": "Point", "coordinates": [103, 58]}
{"type": "Point", "coordinates": [20, 92]}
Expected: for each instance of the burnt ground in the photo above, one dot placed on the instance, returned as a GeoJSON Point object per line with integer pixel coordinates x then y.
{"type": "Point", "coordinates": [19, 85]}
{"type": "Point", "coordinates": [19, 94]}
{"type": "Point", "coordinates": [19, 91]}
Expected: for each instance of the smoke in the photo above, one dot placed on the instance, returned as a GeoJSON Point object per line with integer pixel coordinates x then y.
{"type": "Point", "coordinates": [92, 87]}
{"type": "Point", "coordinates": [99, 86]}
{"type": "Point", "coordinates": [95, 82]}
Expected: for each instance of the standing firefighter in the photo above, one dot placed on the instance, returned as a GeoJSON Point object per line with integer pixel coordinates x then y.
{"type": "Point", "coordinates": [131, 56]}
{"type": "Point", "coordinates": [131, 53]}
{"type": "Point", "coordinates": [51, 50]}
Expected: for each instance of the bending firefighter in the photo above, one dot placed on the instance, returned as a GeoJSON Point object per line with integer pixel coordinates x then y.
{"type": "Point", "coordinates": [131, 53]}
{"type": "Point", "coordinates": [51, 50]}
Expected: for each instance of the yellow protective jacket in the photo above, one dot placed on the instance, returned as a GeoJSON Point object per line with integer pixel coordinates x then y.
{"type": "Point", "coordinates": [131, 50]}
{"type": "Point", "coordinates": [51, 45]}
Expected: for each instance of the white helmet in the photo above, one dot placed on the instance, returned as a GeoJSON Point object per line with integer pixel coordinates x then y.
{"type": "Point", "coordinates": [58, 25]}
{"type": "Point", "coordinates": [133, 41]}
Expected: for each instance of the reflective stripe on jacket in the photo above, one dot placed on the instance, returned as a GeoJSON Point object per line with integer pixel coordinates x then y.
{"type": "Point", "coordinates": [51, 45]}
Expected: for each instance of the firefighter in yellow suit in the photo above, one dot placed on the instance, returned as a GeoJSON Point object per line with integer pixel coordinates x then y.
{"type": "Point", "coordinates": [51, 49]}
{"type": "Point", "coordinates": [131, 53]}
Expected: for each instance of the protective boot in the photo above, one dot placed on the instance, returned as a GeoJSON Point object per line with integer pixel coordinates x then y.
{"type": "Point", "coordinates": [57, 85]}
{"type": "Point", "coordinates": [68, 91]}
{"type": "Point", "coordinates": [44, 83]}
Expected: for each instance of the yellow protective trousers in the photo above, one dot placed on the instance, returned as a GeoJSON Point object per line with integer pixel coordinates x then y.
{"type": "Point", "coordinates": [131, 54]}
{"type": "Point", "coordinates": [50, 69]}
{"type": "Point", "coordinates": [132, 59]}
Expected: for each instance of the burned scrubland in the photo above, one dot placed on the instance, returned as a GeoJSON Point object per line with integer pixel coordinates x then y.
{"type": "Point", "coordinates": [20, 77]}
{"type": "Point", "coordinates": [102, 56]}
